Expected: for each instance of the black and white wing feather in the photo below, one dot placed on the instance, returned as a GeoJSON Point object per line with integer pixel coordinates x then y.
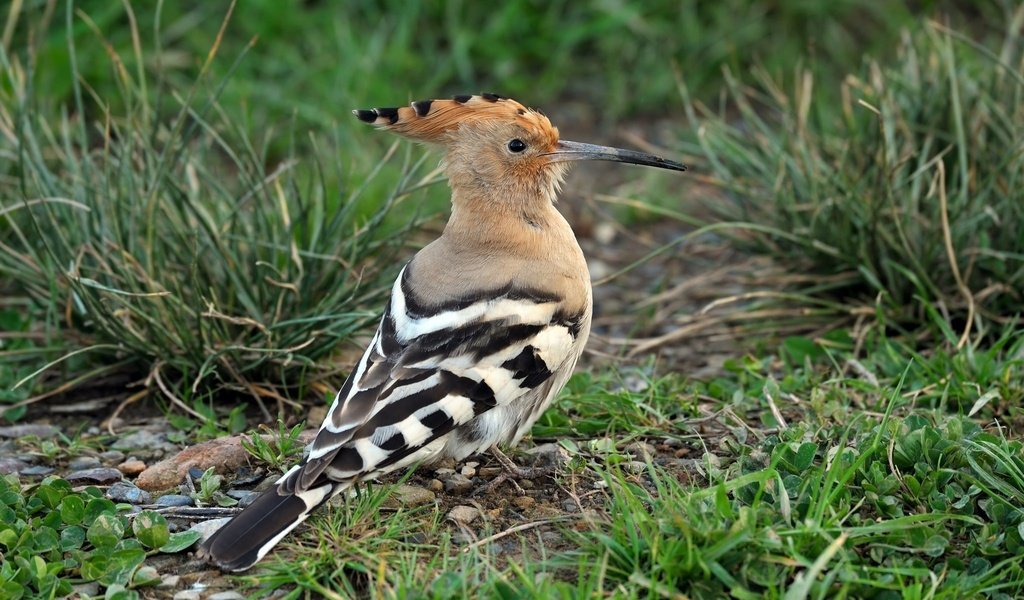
{"type": "Point", "coordinates": [434, 381]}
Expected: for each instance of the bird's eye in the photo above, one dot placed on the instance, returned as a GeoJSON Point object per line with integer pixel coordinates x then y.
{"type": "Point", "coordinates": [517, 145]}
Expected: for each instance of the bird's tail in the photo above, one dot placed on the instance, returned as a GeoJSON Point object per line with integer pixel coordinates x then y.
{"type": "Point", "coordinates": [247, 538]}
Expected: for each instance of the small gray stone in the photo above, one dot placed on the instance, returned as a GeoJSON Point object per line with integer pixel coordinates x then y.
{"type": "Point", "coordinates": [570, 506]}
{"type": "Point", "coordinates": [464, 514]}
{"type": "Point", "coordinates": [229, 595]}
{"type": "Point", "coordinates": [169, 582]}
{"type": "Point", "coordinates": [641, 450]}
{"type": "Point", "coordinates": [209, 527]}
{"type": "Point", "coordinates": [187, 595]}
{"type": "Point", "coordinates": [173, 500]}
{"type": "Point", "coordinates": [37, 471]}
{"type": "Point", "coordinates": [126, 492]}
{"type": "Point", "coordinates": [143, 439]}
{"type": "Point", "coordinates": [634, 466]}
{"type": "Point", "coordinates": [468, 471]}
{"type": "Point", "coordinates": [458, 484]}
{"type": "Point", "coordinates": [411, 495]}
{"type": "Point", "coordinates": [550, 538]}
{"type": "Point", "coordinates": [80, 463]}
{"type": "Point", "coordinates": [244, 497]}
{"type": "Point", "coordinates": [99, 476]}
{"type": "Point", "coordinates": [444, 472]}
{"type": "Point", "coordinates": [112, 457]}
{"type": "Point", "coordinates": [20, 431]}
{"type": "Point", "coordinates": [435, 485]}
{"type": "Point", "coordinates": [9, 464]}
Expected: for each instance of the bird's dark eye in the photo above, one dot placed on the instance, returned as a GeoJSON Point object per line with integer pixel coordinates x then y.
{"type": "Point", "coordinates": [517, 145]}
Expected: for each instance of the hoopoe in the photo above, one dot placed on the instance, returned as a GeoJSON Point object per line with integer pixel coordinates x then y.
{"type": "Point", "coordinates": [483, 328]}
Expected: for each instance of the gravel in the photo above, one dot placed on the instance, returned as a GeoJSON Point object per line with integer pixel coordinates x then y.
{"type": "Point", "coordinates": [10, 465]}
{"type": "Point", "coordinates": [81, 463]}
{"type": "Point", "coordinates": [36, 471]}
{"type": "Point", "coordinates": [464, 514]}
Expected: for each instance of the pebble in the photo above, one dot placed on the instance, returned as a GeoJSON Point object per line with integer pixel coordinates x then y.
{"type": "Point", "coordinates": [550, 538]}
{"type": "Point", "coordinates": [549, 455]}
{"type": "Point", "coordinates": [634, 466]}
{"type": "Point", "coordinates": [444, 471]}
{"type": "Point", "coordinates": [99, 475]}
{"type": "Point", "coordinates": [20, 431]}
{"type": "Point", "coordinates": [144, 439]}
{"type": "Point", "coordinates": [412, 495]}
{"type": "Point", "coordinates": [112, 457]}
{"type": "Point", "coordinates": [435, 485]}
{"type": "Point", "coordinates": [81, 463]}
{"type": "Point", "coordinates": [132, 467]}
{"type": "Point", "coordinates": [570, 506]}
{"type": "Point", "coordinates": [10, 465]}
{"type": "Point", "coordinates": [681, 452]}
{"type": "Point", "coordinates": [464, 514]}
{"type": "Point", "coordinates": [209, 527]}
{"type": "Point", "coordinates": [37, 471]}
{"type": "Point", "coordinates": [457, 484]}
{"type": "Point", "coordinates": [527, 484]}
{"type": "Point", "coordinates": [468, 471]}
{"type": "Point", "coordinates": [641, 450]}
{"type": "Point", "coordinates": [244, 497]}
{"type": "Point", "coordinates": [173, 500]}
{"type": "Point", "coordinates": [523, 502]}
{"type": "Point", "coordinates": [126, 492]}
{"type": "Point", "coordinates": [169, 581]}
{"type": "Point", "coordinates": [187, 595]}
{"type": "Point", "coordinates": [600, 484]}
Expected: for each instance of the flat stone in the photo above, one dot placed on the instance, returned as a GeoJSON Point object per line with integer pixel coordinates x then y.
{"type": "Point", "coordinates": [143, 439]}
{"type": "Point", "coordinates": [36, 471]}
{"type": "Point", "coordinates": [169, 582]}
{"type": "Point", "coordinates": [225, 454]}
{"type": "Point", "coordinates": [9, 464]}
{"type": "Point", "coordinates": [173, 500]}
{"type": "Point", "coordinates": [457, 484]}
{"type": "Point", "coordinates": [634, 466]}
{"type": "Point", "coordinates": [209, 527]}
{"type": "Point", "coordinates": [20, 431]}
{"type": "Point", "coordinates": [468, 471]}
{"type": "Point", "coordinates": [464, 514]}
{"type": "Point", "coordinates": [187, 595]}
{"type": "Point", "coordinates": [570, 506]}
{"type": "Point", "coordinates": [435, 485]}
{"type": "Point", "coordinates": [80, 463]}
{"type": "Point", "coordinates": [444, 472]}
{"type": "Point", "coordinates": [132, 468]}
{"type": "Point", "coordinates": [99, 475]}
{"type": "Point", "coordinates": [412, 495]}
{"type": "Point", "coordinates": [244, 497]}
{"type": "Point", "coordinates": [126, 492]}
{"type": "Point", "coordinates": [111, 457]}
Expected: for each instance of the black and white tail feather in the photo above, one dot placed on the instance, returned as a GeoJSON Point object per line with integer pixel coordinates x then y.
{"type": "Point", "coordinates": [439, 381]}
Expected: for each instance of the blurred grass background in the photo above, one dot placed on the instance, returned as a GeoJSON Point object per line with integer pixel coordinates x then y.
{"type": "Point", "coordinates": [186, 198]}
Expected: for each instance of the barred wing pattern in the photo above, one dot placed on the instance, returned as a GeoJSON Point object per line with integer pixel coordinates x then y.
{"type": "Point", "coordinates": [434, 382]}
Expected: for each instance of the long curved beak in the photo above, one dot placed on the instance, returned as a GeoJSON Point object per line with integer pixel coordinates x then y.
{"type": "Point", "coordinates": [568, 151]}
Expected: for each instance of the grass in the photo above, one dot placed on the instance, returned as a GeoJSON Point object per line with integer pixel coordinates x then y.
{"type": "Point", "coordinates": [187, 218]}
{"type": "Point", "coordinates": [907, 199]}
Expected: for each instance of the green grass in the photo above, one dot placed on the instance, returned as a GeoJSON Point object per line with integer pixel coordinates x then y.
{"type": "Point", "coordinates": [195, 214]}
{"type": "Point", "coordinates": [907, 199]}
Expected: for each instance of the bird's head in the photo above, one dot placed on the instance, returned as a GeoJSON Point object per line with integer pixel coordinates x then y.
{"type": "Point", "coordinates": [495, 144]}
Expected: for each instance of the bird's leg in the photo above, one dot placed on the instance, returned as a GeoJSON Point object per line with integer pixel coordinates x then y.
{"type": "Point", "coordinates": [510, 472]}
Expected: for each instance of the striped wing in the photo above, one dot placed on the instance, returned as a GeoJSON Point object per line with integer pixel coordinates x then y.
{"type": "Point", "coordinates": [427, 372]}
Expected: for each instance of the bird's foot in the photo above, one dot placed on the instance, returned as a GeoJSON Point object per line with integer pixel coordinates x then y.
{"type": "Point", "coordinates": [510, 472]}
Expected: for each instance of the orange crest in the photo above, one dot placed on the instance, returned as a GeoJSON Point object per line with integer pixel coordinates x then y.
{"type": "Point", "coordinates": [435, 121]}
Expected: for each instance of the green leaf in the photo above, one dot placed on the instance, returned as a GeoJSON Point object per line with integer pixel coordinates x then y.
{"type": "Point", "coordinates": [72, 510]}
{"type": "Point", "coordinates": [180, 541]}
{"type": "Point", "coordinates": [105, 531]}
{"type": "Point", "coordinates": [150, 528]}
{"type": "Point", "coordinates": [935, 546]}
{"type": "Point", "coordinates": [72, 538]}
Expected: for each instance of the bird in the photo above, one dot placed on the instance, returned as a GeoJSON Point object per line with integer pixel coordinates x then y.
{"type": "Point", "coordinates": [483, 327]}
